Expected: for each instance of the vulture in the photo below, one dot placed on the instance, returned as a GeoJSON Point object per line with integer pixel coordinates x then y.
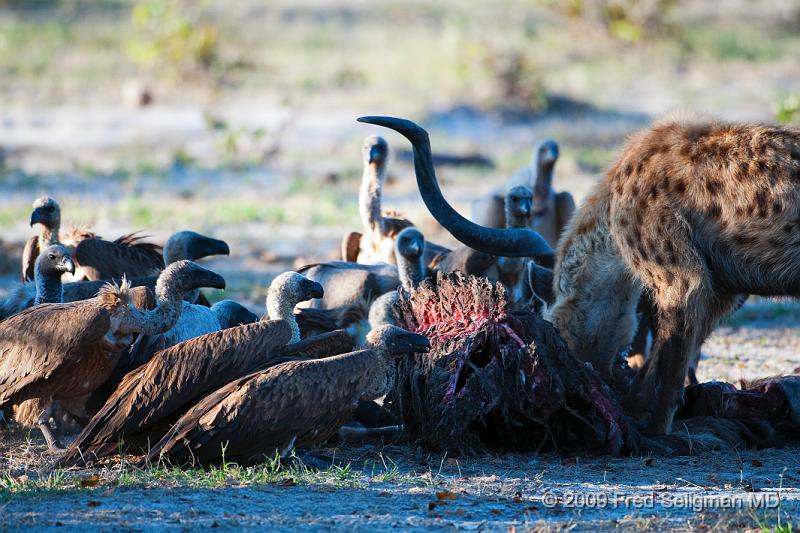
{"type": "Point", "coordinates": [411, 269]}
{"type": "Point", "coordinates": [63, 352]}
{"type": "Point", "coordinates": [184, 245]}
{"type": "Point", "coordinates": [95, 258]}
{"type": "Point", "coordinates": [376, 244]}
{"type": "Point", "coordinates": [50, 265]}
{"type": "Point", "coordinates": [155, 394]}
{"type": "Point", "coordinates": [551, 210]}
{"type": "Point", "coordinates": [512, 272]}
{"type": "Point", "coordinates": [298, 404]}
{"type": "Point", "coordinates": [285, 292]}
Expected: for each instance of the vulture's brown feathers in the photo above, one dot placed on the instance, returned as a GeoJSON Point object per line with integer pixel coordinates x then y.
{"type": "Point", "coordinates": [128, 255]}
{"type": "Point", "coordinates": [270, 411]}
{"type": "Point", "coordinates": [62, 351]}
{"type": "Point", "coordinates": [155, 394]}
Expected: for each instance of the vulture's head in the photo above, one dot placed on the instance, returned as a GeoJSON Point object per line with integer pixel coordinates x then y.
{"type": "Point", "coordinates": [410, 243]}
{"type": "Point", "coordinates": [546, 153]}
{"type": "Point", "coordinates": [394, 342]}
{"type": "Point", "coordinates": [518, 206]}
{"type": "Point", "coordinates": [289, 289]}
{"type": "Point", "coordinates": [192, 246]}
{"type": "Point", "coordinates": [54, 261]}
{"type": "Point", "coordinates": [185, 276]}
{"type": "Point", "coordinates": [375, 150]}
{"type": "Point", "coordinates": [46, 212]}
{"type": "Point", "coordinates": [231, 314]}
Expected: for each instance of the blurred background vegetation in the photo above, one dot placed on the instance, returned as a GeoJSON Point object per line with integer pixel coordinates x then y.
{"type": "Point", "coordinates": [236, 117]}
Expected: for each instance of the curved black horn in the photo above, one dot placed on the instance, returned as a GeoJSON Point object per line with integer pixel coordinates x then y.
{"type": "Point", "coordinates": [505, 242]}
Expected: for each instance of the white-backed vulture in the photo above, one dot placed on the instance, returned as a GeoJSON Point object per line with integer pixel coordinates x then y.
{"type": "Point", "coordinates": [411, 270]}
{"type": "Point", "coordinates": [65, 351]}
{"type": "Point", "coordinates": [285, 292]}
{"type": "Point", "coordinates": [94, 257]}
{"type": "Point", "coordinates": [551, 210]}
{"type": "Point", "coordinates": [299, 404]}
{"type": "Point", "coordinates": [50, 265]}
{"type": "Point", "coordinates": [376, 243]}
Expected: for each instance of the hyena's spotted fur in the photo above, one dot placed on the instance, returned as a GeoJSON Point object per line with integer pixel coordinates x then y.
{"type": "Point", "coordinates": [698, 213]}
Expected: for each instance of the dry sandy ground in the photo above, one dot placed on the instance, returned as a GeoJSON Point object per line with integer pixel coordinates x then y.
{"type": "Point", "coordinates": [720, 490]}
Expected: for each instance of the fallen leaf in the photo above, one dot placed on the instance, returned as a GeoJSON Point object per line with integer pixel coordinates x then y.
{"type": "Point", "coordinates": [756, 463]}
{"type": "Point", "coordinates": [90, 481]}
{"type": "Point", "coordinates": [384, 494]}
{"type": "Point", "coordinates": [93, 503]}
{"type": "Point", "coordinates": [459, 512]}
{"type": "Point", "coordinates": [432, 505]}
{"type": "Point", "coordinates": [495, 511]}
{"type": "Point", "coordinates": [446, 495]}
{"type": "Point", "coordinates": [288, 482]}
{"type": "Point", "coordinates": [569, 461]}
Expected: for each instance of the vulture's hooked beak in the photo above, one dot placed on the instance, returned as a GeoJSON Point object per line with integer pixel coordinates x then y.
{"type": "Point", "coordinates": [315, 290]}
{"type": "Point", "coordinates": [202, 277]}
{"type": "Point", "coordinates": [420, 343]}
{"type": "Point", "coordinates": [377, 154]}
{"type": "Point", "coordinates": [68, 265]}
{"type": "Point", "coordinates": [39, 216]}
{"type": "Point", "coordinates": [206, 246]}
{"type": "Point", "coordinates": [549, 153]}
{"type": "Point", "coordinates": [526, 207]}
{"type": "Point", "coordinates": [415, 249]}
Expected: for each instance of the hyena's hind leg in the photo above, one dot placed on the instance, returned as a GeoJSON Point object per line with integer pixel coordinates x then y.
{"type": "Point", "coordinates": [659, 249]}
{"type": "Point", "coordinates": [685, 318]}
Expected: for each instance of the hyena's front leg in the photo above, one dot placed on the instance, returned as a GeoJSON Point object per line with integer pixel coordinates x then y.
{"type": "Point", "coordinates": [658, 388]}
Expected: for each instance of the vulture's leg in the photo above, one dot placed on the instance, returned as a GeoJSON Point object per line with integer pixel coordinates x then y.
{"type": "Point", "coordinates": [44, 426]}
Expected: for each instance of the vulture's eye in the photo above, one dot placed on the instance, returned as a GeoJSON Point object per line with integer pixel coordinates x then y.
{"type": "Point", "coordinates": [52, 256]}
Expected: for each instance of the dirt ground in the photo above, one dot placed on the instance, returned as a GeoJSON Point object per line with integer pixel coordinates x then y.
{"type": "Point", "coordinates": [711, 491]}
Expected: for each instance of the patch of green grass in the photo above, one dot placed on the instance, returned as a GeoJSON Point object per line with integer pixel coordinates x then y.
{"type": "Point", "coordinates": [162, 474]}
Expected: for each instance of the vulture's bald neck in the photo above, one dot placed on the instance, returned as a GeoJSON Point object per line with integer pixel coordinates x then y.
{"type": "Point", "coordinates": [369, 197]}
{"type": "Point", "coordinates": [410, 270]}
{"type": "Point", "coordinates": [280, 306]}
{"type": "Point", "coordinates": [48, 285]}
{"type": "Point", "coordinates": [169, 303]}
{"type": "Point", "coordinates": [49, 236]}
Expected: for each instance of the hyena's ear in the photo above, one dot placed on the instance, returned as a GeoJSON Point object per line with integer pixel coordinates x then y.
{"type": "Point", "coordinates": [540, 280]}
